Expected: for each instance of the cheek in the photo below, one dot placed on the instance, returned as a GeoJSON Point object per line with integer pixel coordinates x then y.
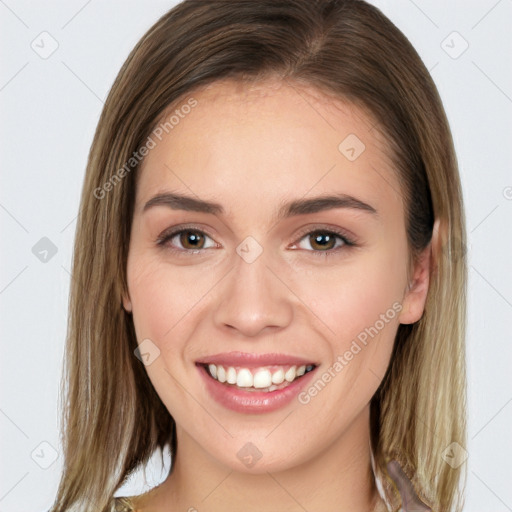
{"type": "Point", "coordinates": [359, 313]}
{"type": "Point", "coordinates": [352, 296]}
{"type": "Point", "coordinates": [164, 297]}
{"type": "Point", "coordinates": [358, 304]}
{"type": "Point", "coordinates": [164, 300]}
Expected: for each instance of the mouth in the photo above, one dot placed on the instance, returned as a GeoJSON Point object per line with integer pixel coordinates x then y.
{"type": "Point", "coordinates": [254, 383]}
{"type": "Point", "coordinates": [264, 379]}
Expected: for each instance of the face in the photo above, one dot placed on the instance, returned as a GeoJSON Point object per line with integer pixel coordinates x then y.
{"type": "Point", "coordinates": [268, 242]}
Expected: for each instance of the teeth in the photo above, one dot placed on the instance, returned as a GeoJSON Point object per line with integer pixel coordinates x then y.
{"type": "Point", "coordinates": [221, 374]}
{"type": "Point", "coordinates": [244, 378]}
{"type": "Point", "coordinates": [291, 374]}
{"type": "Point", "coordinates": [263, 378]}
{"type": "Point", "coordinates": [231, 375]}
{"type": "Point", "coordinates": [278, 377]}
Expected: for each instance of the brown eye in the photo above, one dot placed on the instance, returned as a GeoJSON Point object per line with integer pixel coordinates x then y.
{"type": "Point", "coordinates": [186, 241]}
{"type": "Point", "coordinates": [322, 240]}
{"type": "Point", "coordinates": [191, 239]}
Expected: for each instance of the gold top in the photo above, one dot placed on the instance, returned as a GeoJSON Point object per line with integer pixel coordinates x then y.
{"type": "Point", "coordinates": [123, 505]}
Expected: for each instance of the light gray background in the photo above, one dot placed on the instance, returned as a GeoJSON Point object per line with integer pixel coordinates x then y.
{"type": "Point", "coordinates": [49, 110]}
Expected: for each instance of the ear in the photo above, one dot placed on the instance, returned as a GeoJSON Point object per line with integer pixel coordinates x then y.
{"type": "Point", "coordinates": [415, 294]}
{"type": "Point", "coordinates": [127, 303]}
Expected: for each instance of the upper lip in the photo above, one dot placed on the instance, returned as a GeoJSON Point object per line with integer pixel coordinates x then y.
{"type": "Point", "coordinates": [249, 360]}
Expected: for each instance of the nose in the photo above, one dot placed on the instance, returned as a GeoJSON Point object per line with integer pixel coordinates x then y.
{"type": "Point", "coordinates": [253, 299]}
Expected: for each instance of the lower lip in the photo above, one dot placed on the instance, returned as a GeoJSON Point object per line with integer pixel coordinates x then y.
{"type": "Point", "coordinates": [253, 402]}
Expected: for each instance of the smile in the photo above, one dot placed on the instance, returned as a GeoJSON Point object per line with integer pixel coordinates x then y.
{"type": "Point", "coordinates": [266, 379]}
{"type": "Point", "coordinates": [254, 383]}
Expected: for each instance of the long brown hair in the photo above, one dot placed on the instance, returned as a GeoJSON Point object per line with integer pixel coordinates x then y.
{"type": "Point", "coordinates": [113, 418]}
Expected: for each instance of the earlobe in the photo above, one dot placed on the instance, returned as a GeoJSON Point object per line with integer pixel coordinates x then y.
{"type": "Point", "coordinates": [126, 303]}
{"type": "Point", "coordinates": [416, 292]}
{"type": "Point", "coordinates": [415, 295]}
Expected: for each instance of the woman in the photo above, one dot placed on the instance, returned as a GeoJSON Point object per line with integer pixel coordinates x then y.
{"type": "Point", "coordinates": [268, 275]}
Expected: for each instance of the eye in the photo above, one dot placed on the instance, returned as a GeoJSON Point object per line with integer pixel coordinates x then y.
{"type": "Point", "coordinates": [320, 242]}
{"type": "Point", "coordinates": [323, 241]}
{"type": "Point", "coordinates": [187, 240]}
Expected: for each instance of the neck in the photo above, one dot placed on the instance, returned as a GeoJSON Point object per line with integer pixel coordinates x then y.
{"type": "Point", "coordinates": [338, 479]}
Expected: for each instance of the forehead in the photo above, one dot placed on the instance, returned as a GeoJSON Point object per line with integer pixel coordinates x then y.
{"type": "Point", "coordinates": [268, 141]}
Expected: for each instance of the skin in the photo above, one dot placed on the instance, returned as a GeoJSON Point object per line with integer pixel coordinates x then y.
{"type": "Point", "coordinates": [251, 148]}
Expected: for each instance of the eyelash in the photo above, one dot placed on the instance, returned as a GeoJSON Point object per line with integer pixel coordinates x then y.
{"type": "Point", "coordinates": [348, 242]}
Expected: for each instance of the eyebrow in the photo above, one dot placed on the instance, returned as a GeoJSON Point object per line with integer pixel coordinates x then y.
{"type": "Point", "coordinates": [290, 209]}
